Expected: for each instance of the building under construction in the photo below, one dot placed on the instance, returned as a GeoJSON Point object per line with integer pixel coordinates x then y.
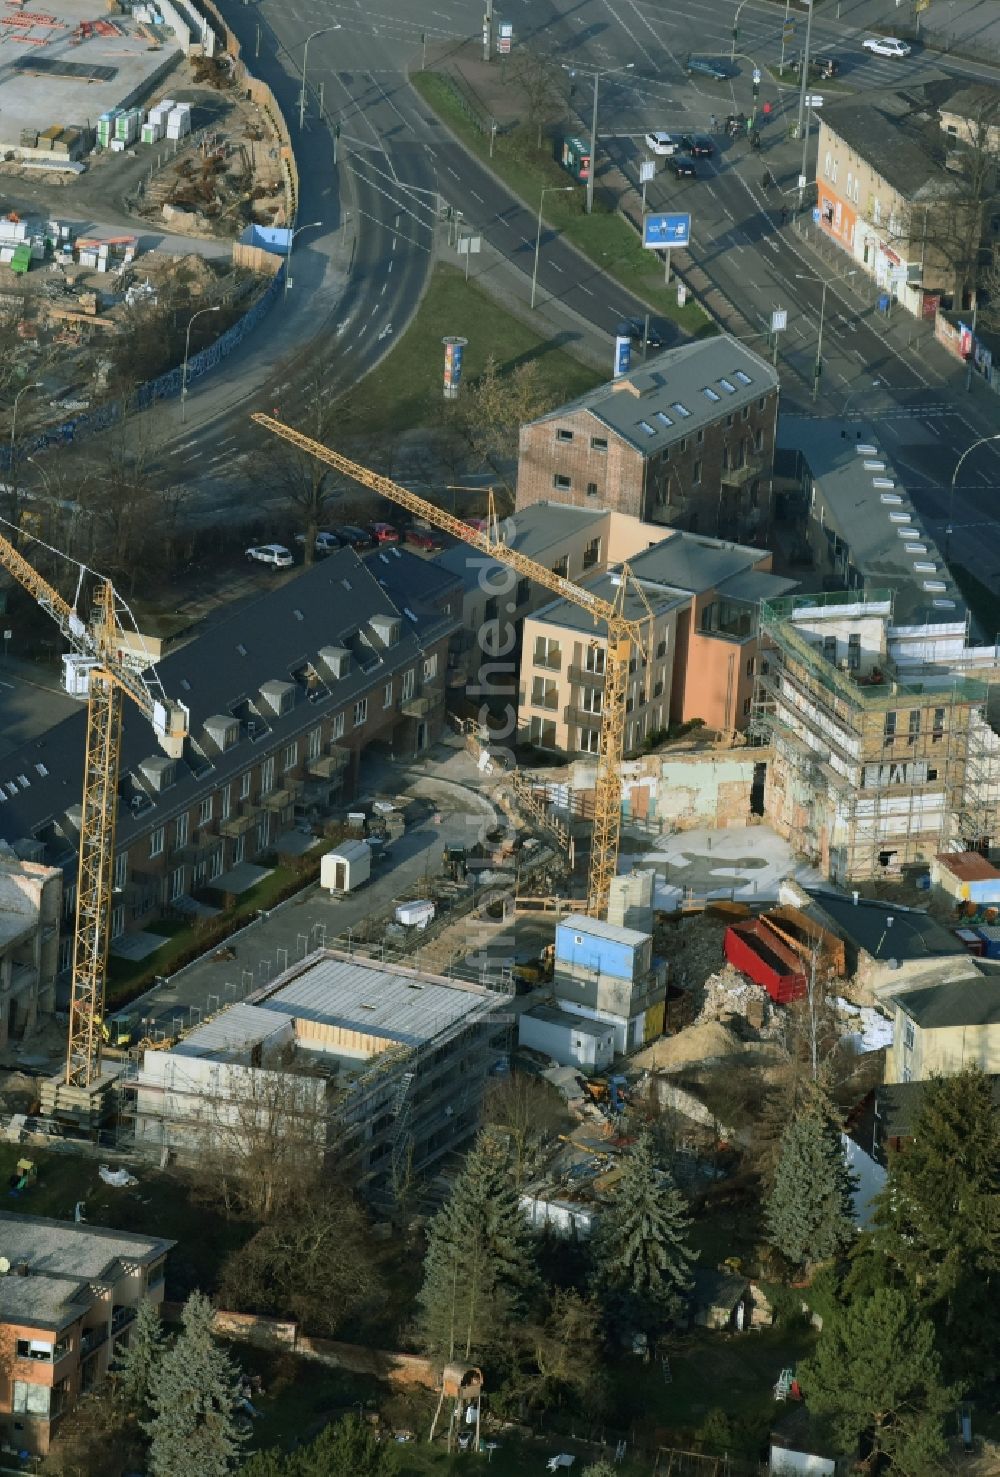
{"type": "Point", "coordinates": [377, 1070]}
{"type": "Point", "coordinates": [883, 753]}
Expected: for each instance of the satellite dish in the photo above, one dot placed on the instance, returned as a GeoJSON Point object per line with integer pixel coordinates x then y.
{"type": "Point", "coordinates": [4, 1266]}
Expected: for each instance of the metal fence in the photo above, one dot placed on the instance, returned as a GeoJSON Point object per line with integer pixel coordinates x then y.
{"type": "Point", "coordinates": [167, 385]}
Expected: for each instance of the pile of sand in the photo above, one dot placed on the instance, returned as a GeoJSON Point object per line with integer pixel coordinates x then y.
{"type": "Point", "coordinates": [703, 1043]}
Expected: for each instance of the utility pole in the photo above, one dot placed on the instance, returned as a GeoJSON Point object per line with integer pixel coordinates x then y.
{"type": "Point", "coordinates": [488, 32]}
{"type": "Point", "coordinates": [803, 124]}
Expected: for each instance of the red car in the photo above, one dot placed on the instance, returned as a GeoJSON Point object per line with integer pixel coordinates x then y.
{"type": "Point", "coordinates": [384, 533]}
{"type": "Point", "coordinates": [420, 538]}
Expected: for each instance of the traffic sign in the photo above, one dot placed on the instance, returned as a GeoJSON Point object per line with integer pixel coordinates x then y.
{"type": "Point", "coordinates": [665, 229]}
{"type": "Point", "coordinates": [505, 38]}
{"type": "Point", "coordinates": [814, 99]}
{"type": "Point", "coordinates": [779, 320]}
{"type": "Point", "coordinates": [788, 31]}
{"type": "Point", "coordinates": [756, 76]}
{"type": "Point", "coordinates": [647, 170]}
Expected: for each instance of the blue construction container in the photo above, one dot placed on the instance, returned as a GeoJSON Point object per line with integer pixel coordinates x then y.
{"type": "Point", "coordinates": [601, 948]}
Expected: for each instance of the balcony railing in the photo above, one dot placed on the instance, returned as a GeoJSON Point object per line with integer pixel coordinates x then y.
{"type": "Point", "coordinates": [91, 1340]}
{"type": "Point", "coordinates": [581, 718]}
{"type": "Point", "coordinates": [584, 674]}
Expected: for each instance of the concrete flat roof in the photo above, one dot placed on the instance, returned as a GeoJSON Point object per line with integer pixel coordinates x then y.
{"type": "Point", "coordinates": [124, 66]}
{"type": "Point", "coordinates": [68, 1249]}
{"type": "Point", "coordinates": [597, 928]}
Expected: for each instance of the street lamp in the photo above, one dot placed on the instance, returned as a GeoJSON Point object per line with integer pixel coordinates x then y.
{"type": "Point", "coordinates": [37, 385]}
{"type": "Point", "coordinates": [187, 350]}
{"type": "Point", "coordinates": [305, 57]}
{"type": "Point", "coordinates": [954, 478]}
{"type": "Point", "coordinates": [559, 190]}
{"type": "Point", "coordinates": [818, 368]}
{"type": "Point", "coordinates": [736, 29]}
{"type": "Point", "coordinates": [312, 226]}
{"type": "Point", "coordinates": [589, 72]}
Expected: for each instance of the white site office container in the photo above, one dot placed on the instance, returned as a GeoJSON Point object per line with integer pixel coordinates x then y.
{"type": "Point", "coordinates": [346, 867]}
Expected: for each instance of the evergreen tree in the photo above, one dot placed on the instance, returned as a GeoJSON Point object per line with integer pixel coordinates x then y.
{"type": "Point", "coordinates": [137, 1362]}
{"type": "Point", "coordinates": [876, 1377]}
{"type": "Point", "coordinates": [193, 1395]}
{"type": "Point", "coordinates": [936, 1228]}
{"type": "Point", "coordinates": [809, 1212]}
{"type": "Point", "coordinates": [349, 1448]}
{"type": "Point", "coordinates": [641, 1257]}
{"type": "Point", "coordinates": [479, 1271]}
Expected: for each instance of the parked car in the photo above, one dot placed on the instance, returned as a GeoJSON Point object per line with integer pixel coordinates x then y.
{"type": "Point", "coordinates": [274, 554]}
{"type": "Point", "coordinates": [354, 538]}
{"type": "Point", "coordinates": [661, 143]}
{"type": "Point", "coordinates": [682, 168]}
{"type": "Point", "coordinates": [886, 46]}
{"type": "Point", "coordinates": [384, 533]}
{"type": "Point", "coordinates": [639, 333]}
{"type": "Point", "coordinates": [325, 543]}
{"type": "Point", "coordinates": [710, 66]}
{"type": "Point", "coordinates": [421, 538]}
{"type": "Point", "coordinates": [697, 145]}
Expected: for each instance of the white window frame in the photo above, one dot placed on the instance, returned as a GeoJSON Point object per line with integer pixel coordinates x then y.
{"type": "Point", "coordinates": [387, 696]}
{"type": "Point", "coordinates": [246, 784]}
{"type": "Point", "coordinates": [361, 712]}
{"type": "Point", "coordinates": [409, 680]}
{"type": "Point", "coordinates": [291, 756]}
{"type": "Point", "coordinates": [181, 830]}
{"type": "Point", "coordinates": [121, 871]}
{"type": "Point", "coordinates": [157, 840]}
{"type": "Point", "coordinates": [206, 810]}
{"type": "Point", "coordinates": [176, 883]}
{"type": "Point", "coordinates": [430, 667]}
{"type": "Point", "coordinates": [225, 802]}
{"type": "Point", "coordinates": [267, 775]}
{"type": "Point", "coordinates": [338, 725]}
{"type": "Point", "coordinates": [315, 742]}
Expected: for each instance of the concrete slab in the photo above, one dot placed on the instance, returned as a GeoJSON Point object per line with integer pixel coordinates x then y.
{"type": "Point", "coordinates": [746, 863]}
{"type": "Point", "coordinates": [295, 843]}
{"type": "Point", "coordinates": [137, 945]}
{"type": "Point", "coordinates": [32, 99]}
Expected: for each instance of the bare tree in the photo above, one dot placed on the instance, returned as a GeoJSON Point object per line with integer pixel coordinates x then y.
{"type": "Point", "coordinates": [491, 411]}
{"type": "Point", "coordinates": [528, 1112]}
{"type": "Point", "coordinates": [260, 1134]}
{"type": "Point", "coordinates": [542, 85]}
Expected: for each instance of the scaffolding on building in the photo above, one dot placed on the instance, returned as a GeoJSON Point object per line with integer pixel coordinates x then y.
{"type": "Point", "coordinates": [865, 793]}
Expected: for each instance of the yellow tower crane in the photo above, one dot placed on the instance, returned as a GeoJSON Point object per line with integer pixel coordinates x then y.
{"type": "Point", "coordinates": [100, 641]}
{"type": "Point", "coordinates": [624, 636]}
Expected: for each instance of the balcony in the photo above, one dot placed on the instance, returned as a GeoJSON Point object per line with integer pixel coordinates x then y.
{"type": "Point", "coordinates": [239, 824]}
{"type": "Point", "coordinates": [741, 476]}
{"type": "Point", "coordinates": [277, 799]}
{"type": "Point", "coordinates": [121, 1317]}
{"type": "Point", "coordinates": [91, 1340]}
{"type": "Point", "coordinates": [325, 766]}
{"type": "Point", "coordinates": [415, 707]}
{"type": "Point", "coordinates": [581, 717]}
{"type": "Point", "coordinates": [576, 675]}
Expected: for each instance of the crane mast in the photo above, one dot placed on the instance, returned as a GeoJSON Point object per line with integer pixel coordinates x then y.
{"type": "Point", "coordinates": [99, 641]}
{"type": "Point", "coordinates": [625, 635]}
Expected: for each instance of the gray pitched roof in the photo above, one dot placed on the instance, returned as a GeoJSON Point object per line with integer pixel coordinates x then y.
{"type": "Point", "coordinates": [641, 406]}
{"type": "Point", "coordinates": [574, 618]}
{"type": "Point", "coordinates": [866, 506]}
{"type": "Point", "coordinates": [899, 140]}
{"type": "Point", "coordinates": [911, 935]}
{"type": "Point", "coordinates": [270, 636]}
{"type": "Point", "coordinates": [536, 531]}
{"type": "Point", "coordinates": [972, 1002]}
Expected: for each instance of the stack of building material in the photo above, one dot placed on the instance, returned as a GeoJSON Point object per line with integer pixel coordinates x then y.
{"type": "Point", "coordinates": [127, 124]}
{"type": "Point", "coordinates": [179, 121]}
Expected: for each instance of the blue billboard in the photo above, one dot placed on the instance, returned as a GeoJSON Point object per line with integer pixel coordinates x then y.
{"type": "Point", "coordinates": [623, 354]}
{"type": "Point", "coordinates": [664, 229]}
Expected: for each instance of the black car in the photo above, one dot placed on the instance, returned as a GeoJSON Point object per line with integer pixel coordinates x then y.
{"type": "Point", "coordinates": [354, 538]}
{"type": "Point", "coordinates": [682, 168]}
{"type": "Point", "coordinates": [639, 333]}
{"type": "Point", "coordinates": [697, 145]}
{"type": "Point", "coordinates": [820, 65]}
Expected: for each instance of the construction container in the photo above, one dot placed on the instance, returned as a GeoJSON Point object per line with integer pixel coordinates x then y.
{"type": "Point", "coordinates": [346, 868]}
{"type": "Point", "coordinates": [602, 948]}
{"type": "Point", "coordinates": [20, 262]}
{"type": "Point", "coordinates": [990, 935]}
{"type": "Point", "coordinates": [970, 939]}
{"type": "Point", "coordinates": [415, 915]}
{"type": "Point", "coordinates": [758, 952]}
{"type": "Point", "coordinates": [571, 1040]}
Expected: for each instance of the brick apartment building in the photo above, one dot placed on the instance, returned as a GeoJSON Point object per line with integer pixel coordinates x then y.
{"type": "Point", "coordinates": [30, 910]}
{"type": "Point", "coordinates": [702, 647]}
{"type": "Point", "coordinates": [888, 199]}
{"type": "Point", "coordinates": [685, 440]}
{"type": "Point", "coordinates": [285, 691]}
{"type": "Point", "coordinates": [66, 1305]}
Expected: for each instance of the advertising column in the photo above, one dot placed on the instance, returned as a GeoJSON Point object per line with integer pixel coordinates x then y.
{"type": "Point", "coordinates": [453, 350]}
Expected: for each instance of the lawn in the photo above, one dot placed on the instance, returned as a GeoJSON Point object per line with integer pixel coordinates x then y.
{"type": "Point", "coordinates": [299, 1396]}
{"type": "Point", "coordinates": [405, 389]}
{"type": "Point", "coordinates": [604, 237]}
{"type": "Point", "coordinates": [160, 1205]}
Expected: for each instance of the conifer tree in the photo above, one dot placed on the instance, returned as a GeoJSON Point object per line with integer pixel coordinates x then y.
{"type": "Point", "coordinates": [809, 1211]}
{"type": "Point", "coordinates": [479, 1272]}
{"type": "Point", "coordinates": [138, 1361]}
{"type": "Point", "coordinates": [193, 1395]}
{"type": "Point", "coordinates": [936, 1228]}
{"type": "Point", "coordinates": [876, 1377]}
{"type": "Point", "coordinates": [642, 1259]}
